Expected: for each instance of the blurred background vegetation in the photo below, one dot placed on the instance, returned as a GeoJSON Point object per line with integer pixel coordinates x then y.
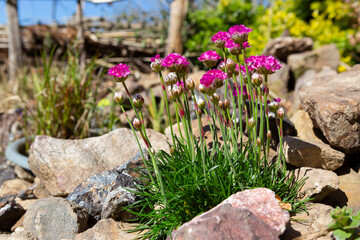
{"type": "Point", "coordinates": [325, 21]}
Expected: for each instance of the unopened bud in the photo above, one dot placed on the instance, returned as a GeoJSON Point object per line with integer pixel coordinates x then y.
{"type": "Point", "coordinates": [137, 124]}
{"type": "Point", "coordinates": [251, 123]}
{"type": "Point", "coordinates": [177, 91]}
{"type": "Point", "coordinates": [221, 105]}
{"type": "Point", "coordinates": [226, 104]}
{"type": "Point", "coordinates": [118, 98]}
{"type": "Point", "coordinates": [172, 96]}
{"type": "Point", "coordinates": [222, 66]}
{"type": "Point", "coordinates": [199, 112]}
{"type": "Point", "coordinates": [256, 80]}
{"type": "Point", "coordinates": [280, 113]}
{"type": "Point", "coordinates": [210, 90]}
{"type": "Point", "coordinates": [190, 84]}
{"type": "Point", "coordinates": [268, 135]}
{"type": "Point", "coordinates": [219, 83]}
{"type": "Point", "coordinates": [215, 98]}
{"type": "Point", "coordinates": [156, 64]}
{"type": "Point", "coordinates": [202, 89]}
{"type": "Point", "coordinates": [201, 103]}
{"type": "Point", "coordinates": [138, 100]}
{"type": "Point", "coordinates": [171, 79]}
{"type": "Point", "coordinates": [230, 65]}
{"type": "Point", "coordinates": [258, 142]}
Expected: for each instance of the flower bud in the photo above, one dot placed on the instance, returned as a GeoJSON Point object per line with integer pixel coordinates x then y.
{"type": "Point", "coordinates": [177, 91]}
{"type": "Point", "coordinates": [137, 124]}
{"type": "Point", "coordinates": [251, 123]}
{"type": "Point", "coordinates": [258, 142]}
{"type": "Point", "coordinates": [201, 103]}
{"type": "Point", "coordinates": [226, 104]}
{"type": "Point", "coordinates": [202, 89]}
{"type": "Point", "coordinates": [190, 84]}
{"type": "Point", "coordinates": [221, 105]}
{"type": "Point", "coordinates": [118, 98]}
{"type": "Point", "coordinates": [156, 64]}
{"type": "Point", "coordinates": [268, 135]}
{"type": "Point", "coordinates": [210, 90]}
{"type": "Point", "coordinates": [171, 79]}
{"type": "Point", "coordinates": [222, 66]}
{"type": "Point", "coordinates": [138, 100]}
{"type": "Point", "coordinates": [199, 112]}
{"type": "Point", "coordinates": [219, 83]}
{"type": "Point", "coordinates": [230, 65]}
{"type": "Point", "coordinates": [215, 98]}
{"type": "Point", "coordinates": [256, 80]}
{"type": "Point", "coordinates": [280, 113]}
{"type": "Point", "coordinates": [172, 96]}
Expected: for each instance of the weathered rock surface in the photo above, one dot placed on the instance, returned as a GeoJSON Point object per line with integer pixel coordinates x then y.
{"type": "Point", "coordinates": [349, 190]}
{"type": "Point", "coordinates": [282, 47]}
{"type": "Point", "coordinates": [10, 213]}
{"type": "Point", "coordinates": [225, 222]}
{"type": "Point", "coordinates": [327, 55]}
{"type": "Point", "coordinates": [24, 174]}
{"type": "Point", "coordinates": [54, 160]}
{"type": "Point", "coordinates": [104, 195]}
{"type": "Point", "coordinates": [55, 218]}
{"type": "Point", "coordinates": [105, 229]}
{"type": "Point", "coordinates": [21, 234]}
{"type": "Point", "coordinates": [304, 126]}
{"type": "Point", "coordinates": [279, 81]}
{"type": "Point", "coordinates": [14, 186]}
{"type": "Point", "coordinates": [319, 183]}
{"type": "Point", "coordinates": [261, 202]}
{"type": "Point", "coordinates": [310, 226]}
{"type": "Point", "coordinates": [7, 172]}
{"type": "Point", "coordinates": [334, 107]}
{"type": "Point", "coordinates": [315, 154]}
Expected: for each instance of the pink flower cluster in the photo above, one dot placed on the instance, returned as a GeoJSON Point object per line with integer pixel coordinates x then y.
{"type": "Point", "coordinates": [234, 48]}
{"type": "Point", "coordinates": [209, 58]}
{"type": "Point", "coordinates": [213, 78]}
{"type": "Point", "coordinates": [239, 33]}
{"type": "Point", "coordinates": [174, 62]}
{"type": "Point", "coordinates": [220, 39]}
{"type": "Point", "coordinates": [120, 71]}
{"type": "Point", "coordinates": [156, 64]}
{"type": "Point", "coordinates": [263, 64]}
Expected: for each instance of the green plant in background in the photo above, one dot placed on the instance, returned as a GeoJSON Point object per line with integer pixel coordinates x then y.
{"type": "Point", "coordinates": [195, 177]}
{"type": "Point", "coordinates": [63, 98]}
{"type": "Point", "coordinates": [345, 225]}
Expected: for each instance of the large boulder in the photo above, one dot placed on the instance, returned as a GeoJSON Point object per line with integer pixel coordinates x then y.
{"type": "Point", "coordinates": [334, 107]}
{"type": "Point", "coordinates": [250, 214]}
{"type": "Point", "coordinates": [315, 154]}
{"type": "Point", "coordinates": [55, 218]}
{"type": "Point", "coordinates": [282, 47]}
{"type": "Point", "coordinates": [55, 160]}
{"type": "Point", "coordinates": [327, 55]}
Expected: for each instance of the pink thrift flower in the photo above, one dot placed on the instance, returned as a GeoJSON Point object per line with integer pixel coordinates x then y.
{"type": "Point", "coordinates": [120, 71]}
{"type": "Point", "coordinates": [264, 64]}
{"type": "Point", "coordinates": [274, 104]}
{"type": "Point", "coordinates": [233, 48]}
{"type": "Point", "coordinates": [209, 58]}
{"type": "Point", "coordinates": [220, 39]}
{"type": "Point", "coordinates": [174, 62]}
{"type": "Point", "coordinates": [213, 78]}
{"type": "Point", "coordinates": [156, 64]}
{"type": "Point", "coordinates": [239, 33]}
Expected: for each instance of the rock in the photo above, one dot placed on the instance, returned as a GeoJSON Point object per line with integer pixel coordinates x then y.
{"type": "Point", "coordinates": [13, 186]}
{"type": "Point", "coordinates": [334, 107]}
{"type": "Point", "coordinates": [25, 203]}
{"type": "Point", "coordinates": [105, 229]}
{"type": "Point", "coordinates": [304, 126]}
{"type": "Point", "coordinates": [24, 174]}
{"type": "Point", "coordinates": [39, 189]}
{"type": "Point", "coordinates": [55, 218]}
{"type": "Point", "coordinates": [261, 202]}
{"type": "Point", "coordinates": [196, 76]}
{"type": "Point", "coordinates": [327, 55]}
{"type": "Point", "coordinates": [54, 160]}
{"type": "Point", "coordinates": [348, 193]}
{"type": "Point", "coordinates": [225, 222]}
{"type": "Point", "coordinates": [10, 213]}
{"type": "Point", "coordinates": [104, 195]}
{"type": "Point", "coordinates": [288, 130]}
{"type": "Point", "coordinates": [19, 223]}
{"type": "Point", "coordinates": [319, 183]}
{"type": "Point", "coordinates": [282, 47]}
{"type": "Point", "coordinates": [312, 225]}
{"type": "Point", "coordinates": [7, 172]}
{"type": "Point", "coordinates": [21, 234]}
{"type": "Point", "coordinates": [313, 154]}
{"type": "Point", "coordinates": [279, 81]}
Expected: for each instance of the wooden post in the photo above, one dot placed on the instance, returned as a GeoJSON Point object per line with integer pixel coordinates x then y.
{"type": "Point", "coordinates": [14, 36]}
{"type": "Point", "coordinates": [178, 11]}
{"type": "Point", "coordinates": [80, 36]}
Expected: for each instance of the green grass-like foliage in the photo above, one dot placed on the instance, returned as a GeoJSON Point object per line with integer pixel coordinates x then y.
{"type": "Point", "coordinates": [345, 225]}
{"type": "Point", "coordinates": [189, 192]}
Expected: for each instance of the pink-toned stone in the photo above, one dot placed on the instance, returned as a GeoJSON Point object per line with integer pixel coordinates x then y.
{"type": "Point", "coordinates": [261, 202]}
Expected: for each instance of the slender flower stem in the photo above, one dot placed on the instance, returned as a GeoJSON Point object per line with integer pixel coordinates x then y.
{"type": "Point", "coordinates": [167, 108]}
{"type": "Point", "coordinates": [227, 78]}
{"type": "Point", "coordinates": [267, 116]}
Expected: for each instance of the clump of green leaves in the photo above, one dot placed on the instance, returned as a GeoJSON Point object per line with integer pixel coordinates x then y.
{"type": "Point", "coordinates": [345, 225]}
